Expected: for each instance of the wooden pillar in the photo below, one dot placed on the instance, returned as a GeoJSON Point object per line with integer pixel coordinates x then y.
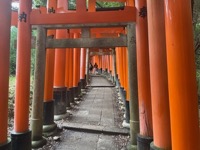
{"type": "Point", "coordinates": [181, 75]}
{"type": "Point", "coordinates": [21, 137]}
{"type": "Point", "coordinates": [49, 127]}
{"type": "Point", "coordinates": [145, 136]}
{"type": "Point", "coordinates": [158, 74]}
{"type": "Point", "coordinates": [38, 91]}
{"type": "Point", "coordinates": [132, 76]}
{"type": "Point", "coordinates": [5, 15]}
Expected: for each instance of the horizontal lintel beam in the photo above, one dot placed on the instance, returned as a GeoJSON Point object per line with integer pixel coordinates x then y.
{"type": "Point", "coordinates": [87, 42]}
{"type": "Point", "coordinates": [91, 25]}
{"type": "Point", "coordinates": [123, 16]}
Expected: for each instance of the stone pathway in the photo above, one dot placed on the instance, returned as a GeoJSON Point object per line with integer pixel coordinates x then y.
{"type": "Point", "coordinates": [93, 125]}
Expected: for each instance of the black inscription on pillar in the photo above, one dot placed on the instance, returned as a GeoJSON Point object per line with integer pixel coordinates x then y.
{"type": "Point", "coordinates": [143, 12]}
{"type": "Point", "coordinates": [51, 10]}
{"type": "Point", "coordinates": [22, 17]}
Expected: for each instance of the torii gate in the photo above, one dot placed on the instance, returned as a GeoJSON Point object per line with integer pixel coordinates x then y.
{"type": "Point", "coordinates": [182, 83]}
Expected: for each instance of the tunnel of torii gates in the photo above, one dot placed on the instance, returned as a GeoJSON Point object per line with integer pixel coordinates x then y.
{"type": "Point", "coordinates": [155, 77]}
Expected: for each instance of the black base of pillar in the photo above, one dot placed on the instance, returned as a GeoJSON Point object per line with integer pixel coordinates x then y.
{"type": "Point", "coordinates": [122, 94]}
{"type": "Point", "coordinates": [6, 146]}
{"type": "Point", "coordinates": [67, 99]}
{"type": "Point", "coordinates": [127, 111]}
{"type": "Point", "coordinates": [153, 147]}
{"type": "Point", "coordinates": [59, 96]}
{"type": "Point", "coordinates": [71, 95]}
{"type": "Point", "coordinates": [49, 127]}
{"type": "Point", "coordinates": [83, 83]}
{"type": "Point", "coordinates": [21, 141]}
{"type": "Point", "coordinates": [143, 142]}
{"type": "Point", "coordinates": [48, 112]}
{"type": "Point", "coordinates": [79, 88]}
{"type": "Point", "coordinates": [75, 91]}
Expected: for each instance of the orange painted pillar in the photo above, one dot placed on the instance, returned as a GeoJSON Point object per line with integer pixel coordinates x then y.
{"type": "Point", "coordinates": [76, 67]}
{"type": "Point", "coordinates": [67, 68]}
{"type": "Point", "coordinates": [67, 63]}
{"type": "Point", "coordinates": [48, 115]}
{"type": "Point", "coordinates": [100, 64]}
{"type": "Point", "coordinates": [82, 68]}
{"type": "Point", "coordinates": [127, 81]}
{"type": "Point", "coordinates": [145, 136]}
{"type": "Point", "coordinates": [21, 117]}
{"type": "Point", "coordinates": [124, 66]}
{"type": "Point", "coordinates": [59, 73]}
{"type": "Point", "coordinates": [102, 60]}
{"type": "Point", "coordinates": [121, 79]}
{"type": "Point", "coordinates": [71, 94]}
{"type": "Point", "coordinates": [91, 5]}
{"type": "Point", "coordinates": [181, 75]}
{"type": "Point", "coordinates": [107, 64]}
{"type": "Point", "coordinates": [130, 2]}
{"type": "Point", "coordinates": [59, 78]}
{"type": "Point", "coordinates": [79, 70]}
{"type": "Point", "coordinates": [5, 15]}
{"type": "Point", "coordinates": [111, 66]}
{"type": "Point", "coordinates": [124, 89]}
{"type": "Point", "coordinates": [117, 66]}
{"type": "Point", "coordinates": [158, 75]}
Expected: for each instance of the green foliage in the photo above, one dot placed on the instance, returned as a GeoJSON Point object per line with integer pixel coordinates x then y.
{"type": "Point", "coordinates": [101, 4]}
{"type": "Point", "coordinates": [13, 50]}
{"type": "Point", "coordinates": [39, 3]}
{"type": "Point", "coordinates": [72, 4]}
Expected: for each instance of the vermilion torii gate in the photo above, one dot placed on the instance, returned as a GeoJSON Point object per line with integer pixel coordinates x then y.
{"type": "Point", "coordinates": [169, 87]}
